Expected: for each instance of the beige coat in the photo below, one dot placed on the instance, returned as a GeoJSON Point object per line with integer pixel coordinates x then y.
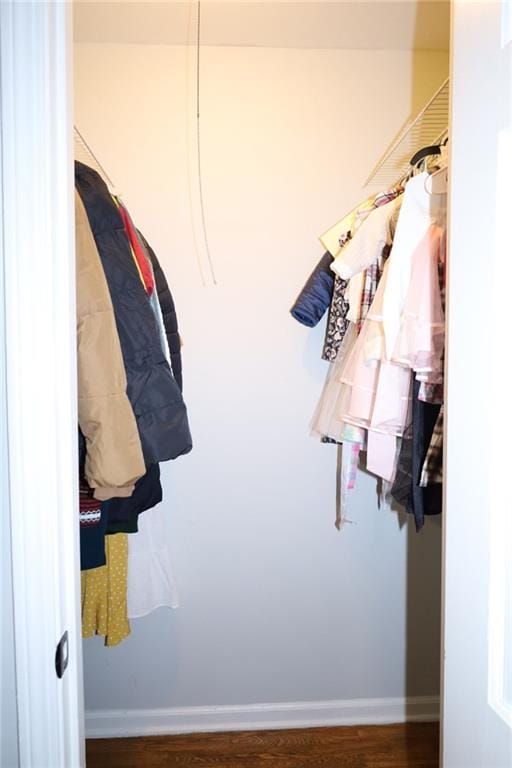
{"type": "Point", "coordinates": [114, 458]}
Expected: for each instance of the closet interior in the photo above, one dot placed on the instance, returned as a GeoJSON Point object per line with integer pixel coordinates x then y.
{"type": "Point", "coordinates": [215, 145]}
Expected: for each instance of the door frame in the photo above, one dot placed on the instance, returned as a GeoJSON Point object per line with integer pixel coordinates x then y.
{"type": "Point", "coordinates": [476, 715]}
{"type": "Point", "coordinates": [40, 353]}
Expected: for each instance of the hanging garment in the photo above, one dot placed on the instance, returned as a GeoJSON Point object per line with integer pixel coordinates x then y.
{"type": "Point", "coordinates": [420, 210]}
{"type": "Point", "coordinates": [92, 541]}
{"type": "Point", "coordinates": [378, 390]}
{"type": "Point", "coordinates": [365, 391]}
{"type": "Point", "coordinates": [315, 297]}
{"type": "Point", "coordinates": [92, 517]}
{"type": "Point", "coordinates": [123, 514]}
{"type": "Point", "coordinates": [374, 234]}
{"type": "Point", "coordinates": [432, 470]}
{"type": "Point", "coordinates": [145, 270]}
{"type": "Point", "coordinates": [113, 460]}
{"type": "Point", "coordinates": [420, 340]}
{"type": "Point", "coordinates": [431, 392]}
{"type": "Point", "coordinates": [138, 251]}
{"type": "Point", "coordinates": [334, 240]}
{"type": "Point", "coordinates": [169, 315]}
{"type": "Point", "coordinates": [346, 470]}
{"type": "Point", "coordinates": [104, 607]}
{"type": "Point", "coordinates": [337, 239]}
{"type": "Point", "coordinates": [157, 311]}
{"type": "Point", "coordinates": [156, 399]}
{"type": "Point", "coordinates": [375, 396]}
{"type": "Point", "coordinates": [382, 455]}
{"type": "Point", "coordinates": [89, 507]}
{"type": "Point", "coordinates": [377, 382]}
{"type": "Point", "coordinates": [337, 321]}
{"type": "Point", "coordinates": [383, 389]}
{"type": "Point", "coordinates": [325, 420]}
{"type": "Point", "coordinates": [327, 413]}
{"type": "Point", "coordinates": [93, 524]}
{"type": "Point", "coordinates": [353, 295]}
{"type": "Point", "coordinates": [372, 278]}
{"type": "Point", "coordinates": [406, 489]}
{"type": "Point", "coordinates": [421, 335]}
{"type": "Point", "coordinates": [151, 582]}
{"type": "Point", "coordinates": [432, 386]}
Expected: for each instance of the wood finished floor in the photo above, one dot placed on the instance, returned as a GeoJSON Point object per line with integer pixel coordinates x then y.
{"type": "Point", "coordinates": [414, 745]}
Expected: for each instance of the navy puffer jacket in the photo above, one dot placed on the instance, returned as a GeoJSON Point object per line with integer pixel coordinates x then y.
{"type": "Point", "coordinates": [166, 302]}
{"type": "Point", "coordinates": [153, 393]}
{"type": "Point", "coordinates": [315, 298]}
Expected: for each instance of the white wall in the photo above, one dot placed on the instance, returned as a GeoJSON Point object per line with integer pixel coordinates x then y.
{"type": "Point", "coordinates": [276, 605]}
{"type": "Point", "coordinates": [477, 696]}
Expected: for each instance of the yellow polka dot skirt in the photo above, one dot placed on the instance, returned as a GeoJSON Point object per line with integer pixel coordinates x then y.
{"type": "Point", "coordinates": [104, 607]}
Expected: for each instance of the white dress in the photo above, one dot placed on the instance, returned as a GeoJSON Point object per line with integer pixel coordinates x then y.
{"type": "Point", "coordinates": [420, 209]}
{"type": "Point", "coordinates": [373, 235]}
{"type": "Point", "coordinates": [151, 581]}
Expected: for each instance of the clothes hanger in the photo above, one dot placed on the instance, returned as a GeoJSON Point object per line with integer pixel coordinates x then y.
{"type": "Point", "coordinates": [437, 181]}
{"type": "Point", "coordinates": [425, 152]}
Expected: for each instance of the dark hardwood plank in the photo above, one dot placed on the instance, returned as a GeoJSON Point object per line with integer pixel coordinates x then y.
{"type": "Point", "coordinates": [412, 745]}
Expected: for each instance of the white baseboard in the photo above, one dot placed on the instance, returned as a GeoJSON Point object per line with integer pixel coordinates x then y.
{"type": "Point", "coordinates": [302, 714]}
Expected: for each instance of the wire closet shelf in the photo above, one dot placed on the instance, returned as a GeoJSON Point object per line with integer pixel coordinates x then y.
{"type": "Point", "coordinates": [427, 128]}
{"type": "Point", "coordinates": [84, 154]}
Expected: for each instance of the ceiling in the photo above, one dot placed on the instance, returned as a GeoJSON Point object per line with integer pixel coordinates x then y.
{"type": "Point", "coordinates": [377, 25]}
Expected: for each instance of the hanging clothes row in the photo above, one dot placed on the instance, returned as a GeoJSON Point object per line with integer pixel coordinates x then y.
{"type": "Point", "coordinates": [382, 280]}
{"type": "Point", "coordinates": [131, 412]}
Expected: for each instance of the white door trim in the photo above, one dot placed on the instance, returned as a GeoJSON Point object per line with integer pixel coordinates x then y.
{"type": "Point", "coordinates": [477, 634]}
{"type": "Point", "coordinates": [38, 241]}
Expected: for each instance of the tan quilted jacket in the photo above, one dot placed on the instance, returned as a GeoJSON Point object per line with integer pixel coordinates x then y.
{"type": "Point", "coordinates": [114, 458]}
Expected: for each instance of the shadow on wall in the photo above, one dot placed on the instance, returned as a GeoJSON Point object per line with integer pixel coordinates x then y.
{"type": "Point", "coordinates": [424, 549]}
{"type": "Point", "coordinates": [424, 11]}
{"type": "Point", "coordinates": [423, 609]}
{"type": "Point", "coordinates": [429, 14]}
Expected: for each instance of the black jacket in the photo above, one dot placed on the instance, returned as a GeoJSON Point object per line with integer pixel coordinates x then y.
{"type": "Point", "coordinates": [166, 302]}
{"type": "Point", "coordinates": [123, 514]}
{"type": "Point", "coordinates": [153, 393]}
{"type": "Point", "coordinates": [406, 489]}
